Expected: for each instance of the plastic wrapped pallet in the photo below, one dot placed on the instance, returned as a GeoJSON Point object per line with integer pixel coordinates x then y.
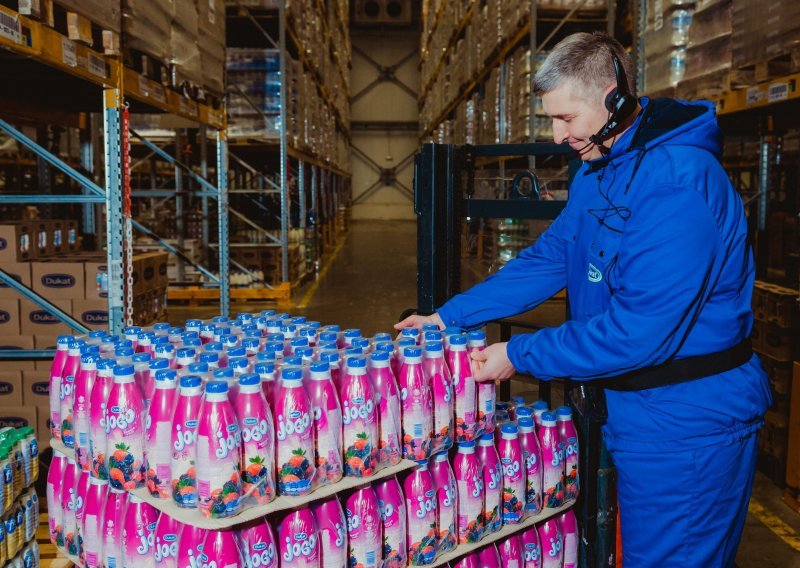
{"type": "Point", "coordinates": [763, 30]}
{"type": "Point", "coordinates": [211, 42]}
{"type": "Point", "coordinates": [708, 52]}
{"type": "Point", "coordinates": [184, 51]}
{"type": "Point", "coordinates": [105, 13]}
{"type": "Point", "coordinates": [146, 24]}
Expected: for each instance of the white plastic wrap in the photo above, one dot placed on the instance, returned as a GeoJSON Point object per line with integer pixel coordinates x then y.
{"type": "Point", "coordinates": [105, 13]}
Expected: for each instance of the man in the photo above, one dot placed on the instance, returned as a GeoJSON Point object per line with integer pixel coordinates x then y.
{"type": "Point", "coordinates": [652, 248]}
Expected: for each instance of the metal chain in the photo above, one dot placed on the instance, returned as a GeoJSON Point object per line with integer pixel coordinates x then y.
{"type": "Point", "coordinates": [126, 213]}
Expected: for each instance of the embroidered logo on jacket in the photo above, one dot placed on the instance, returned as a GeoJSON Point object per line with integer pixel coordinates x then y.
{"type": "Point", "coordinates": [594, 274]}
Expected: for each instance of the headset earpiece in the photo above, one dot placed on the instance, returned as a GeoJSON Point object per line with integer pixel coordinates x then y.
{"type": "Point", "coordinates": [621, 104]}
{"type": "Point", "coordinates": [611, 99]}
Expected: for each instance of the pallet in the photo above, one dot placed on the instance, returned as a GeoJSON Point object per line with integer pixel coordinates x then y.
{"type": "Point", "coordinates": [784, 63]}
{"type": "Point", "coordinates": [77, 26]}
{"type": "Point", "coordinates": [713, 85]}
{"type": "Point", "coordinates": [195, 295]}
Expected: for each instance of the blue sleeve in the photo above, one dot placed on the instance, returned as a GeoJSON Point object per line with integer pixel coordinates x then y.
{"type": "Point", "coordinates": [535, 275]}
{"type": "Point", "coordinates": [669, 260]}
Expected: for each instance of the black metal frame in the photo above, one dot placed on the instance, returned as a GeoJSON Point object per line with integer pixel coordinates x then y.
{"type": "Point", "coordinates": [443, 183]}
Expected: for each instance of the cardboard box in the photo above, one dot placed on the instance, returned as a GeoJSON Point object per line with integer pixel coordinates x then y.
{"type": "Point", "coordinates": [58, 280]}
{"type": "Point", "coordinates": [11, 388]}
{"type": "Point", "coordinates": [18, 417]}
{"type": "Point", "coordinates": [36, 388]}
{"type": "Point", "coordinates": [96, 279]}
{"type": "Point", "coordinates": [43, 427]}
{"type": "Point", "coordinates": [9, 317]}
{"type": "Point", "coordinates": [160, 264]}
{"type": "Point", "coordinates": [17, 243]}
{"type": "Point", "coordinates": [19, 271]}
{"type": "Point", "coordinates": [91, 313]}
{"type": "Point", "coordinates": [17, 342]}
{"type": "Point", "coordinates": [37, 321]}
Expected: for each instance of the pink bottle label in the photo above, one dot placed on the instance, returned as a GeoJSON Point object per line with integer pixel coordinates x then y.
{"type": "Point", "coordinates": [511, 552]}
{"type": "Point", "coordinates": [138, 535]}
{"type": "Point", "coordinates": [125, 437]}
{"type": "Point", "coordinates": [97, 427]}
{"type": "Point", "coordinates": [190, 547]}
{"type": "Point", "coordinates": [571, 457]}
{"type": "Point", "coordinates": [295, 442]}
{"type": "Point", "coordinates": [69, 495]}
{"type": "Point", "coordinates": [393, 517]}
{"type": "Point", "coordinates": [531, 550]}
{"type": "Point", "coordinates": [466, 397]}
{"type": "Point", "coordinates": [493, 483]}
{"type": "Point", "coordinates": [389, 420]}
{"type": "Point", "coordinates": [486, 402]}
{"type": "Point", "coordinates": [446, 498]}
{"type": "Point", "coordinates": [299, 546]}
{"type": "Point", "coordinates": [328, 428]}
{"type": "Point", "coordinates": [113, 518]}
{"type": "Point", "coordinates": [513, 481]}
{"type": "Point", "coordinates": [470, 487]}
{"type": "Point", "coordinates": [363, 529]}
{"type": "Point", "coordinates": [442, 404]}
{"type": "Point", "coordinates": [416, 398]}
{"type": "Point", "coordinates": [258, 449]}
{"type": "Point", "coordinates": [258, 544]}
{"type": "Point", "coordinates": [552, 468]}
{"type": "Point", "coordinates": [360, 426]}
{"type": "Point", "coordinates": [219, 447]}
{"type": "Point", "coordinates": [166, 542]}
{"type": "Point", "coordinates": [184, 452]}
{"type": "Point", "coordinates": [221, 550]}
{"type": "Point", "coordinates": [552, 542]}
{"type": "Point", "coordinates": [80, 419]}
{"type": "Point", "coordinates": [332, 532]}
{"type": "Point", "coordinates": [421, 515]}
{"type": "Point", "coordinates": [533, 472]}
{"type": "Point", "coordinates": [55, 512]}
{"type": "Point", "coordinates": [158, 424]}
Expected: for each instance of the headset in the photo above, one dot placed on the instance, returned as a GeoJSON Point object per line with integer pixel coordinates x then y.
{"type": "Point", "coordinates": [620, 102]}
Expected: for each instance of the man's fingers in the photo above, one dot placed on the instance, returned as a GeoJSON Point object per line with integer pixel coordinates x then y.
{"type": "Point", "coordinates": [478, 356]}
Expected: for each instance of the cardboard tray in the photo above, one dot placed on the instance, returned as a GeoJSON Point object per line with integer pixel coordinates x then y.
{"type": "Point", "coordinates": [283, 503]}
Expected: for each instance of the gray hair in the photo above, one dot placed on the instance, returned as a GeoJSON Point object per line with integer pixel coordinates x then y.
{"type": "Point", "coordinates": [584, 58]}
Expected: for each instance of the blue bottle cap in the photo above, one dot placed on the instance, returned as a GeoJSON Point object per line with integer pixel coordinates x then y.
{"type": "Point", "coordinates": [430, 327]}
{"type": "Point", "coordinates": [130, 330]}
{"type": "Point", "coordinates": [265, 356]}
{"type": "Point", "coordinates": [228, 339]}
{"type": "Point", "coordinates": [165, 348]}
{"type": "Point", "coordinates": [433, 336]}
{"type": "Point", "coordinates": [198, 367]}
{"type": "Point", "coordinates": [352, 333]}
{"type": "Point", "coordinates": [216, 387]}
{"type": "Point", "coordinates": [265, 368]}
{"type": "Point", "coordinates": [540, 405]}
{"type": "Point", "coordinates": [410, 332]}
{"type": "Point", "coordinates": [88, 358]}
{"type": "Point", "coordinates": [452, 330]}
{"type": "Point", "coordinates": [299, 342]}
{"type": "Point", "coordinates": [433, 346]}
{"type": "Point", "coordinates": [161, 326]}
{"type": "Point", "coordinates": [190, 381]}
{"type": "Point", "coordinates": [275, 341]}
{"type": "Point", "coordinates": [525, 422]}
{"type": "Point", "coordinates": [469, 444]}
{"type": "Point", "coordinates": [459, 339]}
{"type": "Point", "coordinates": [387, 347]}
{"type": "Point", "coordinates": [219, 319]}
{"type": "Point", "coordinates": [244, 316]}
{"type": "Point", "coordinates": [524, 411]}
{"type": "Point", "coordinates": [327, 336]}
{"type": "Point", "coordinates": [509, 429]}
{"type": "Point", "coordinates": [65, 339]}
{"type": "Point", "coordinates": [406, 342]}
{"type": "Point", "coordinates": [304, 352]}
{"type": "Point", "coordinates": [412, 352]}
{"type": "Point", "coordinates": [298, 320]}
{"type": "Point", "coordinates": [250, 343]}
{"type": "Point", "coordinates": [123, 371]}
{"type": "Point", "coordinates": [238, 363]}
{"type": "Point", "coordinates": [158, 363]}
{"type": "Point", "coordinates": [104, 364]}
{"type": "Point", "coordinates": [124, 352]}
{"type": "Point", "coordinates": [222, 330]}
{"type": "Point", "coordinates": [564, 411]}
{"type": "Point", "coordinates": [315, 325]}
{"type": "Point", "coordinates": [212, 357]}
{"type": "Point", "coordinates": [193, 323]}
{"type": "Point", "coordinates": [292, 374]}
{"type": "Point", "coordinates": [353, 351]}
{"type": "Point", "coordinates": [251, 330]}
{"type": "Point", "coordinates": [361, 342]}
{"type": "Point", "coordinates": [549, 417]}
{"type": "Point", "coordinates": [476, 335]}
{"type": "Point", "coordinates": [267, 313]}
{"type": "Point", "coordinates": [175, 331]}
{"type": "Point", "coordinates": [188, 342]}
{"type": "Point", "coordinates": [356, 363]}
{"type": "Point", "coordinates": [518, 400]}
{"type": "Point", "coordinates": [206, 327]}
{"type": "Point", "coordinates": [166, 375]}
{"type": "Point", "coordinates": [186, 353]}
{"type": "Point", "coordinates": [380, 356]}
{"type": "Point", "coordinates": [190, 335]}
{"type": "Point", "coordinates": [226, 373]}
{"type": "Point", "coordinates": [141, 357]}
{"type": "Point", "coordinates": [214, 346]}
{"type": "Point", "coordinates": [320, 367]}
{"type": "Point", "coordinates": [333, 328]}
{"type": "Point", "coordinates": [237, 352]}
{"type": "Point", "coordinates": [288, 329]}
{"type": "Point", "coordinates": [249, 379]}
{"type": "Point", "coordinates": [329, 356]}
{"type": "Point", "coordinates": [382, 336]}
{"type": "Point", "coordinates": [122, 344]}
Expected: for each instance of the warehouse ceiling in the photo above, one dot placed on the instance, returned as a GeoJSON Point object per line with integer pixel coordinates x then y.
{"type": "Point", "coordinates": [385, 15]}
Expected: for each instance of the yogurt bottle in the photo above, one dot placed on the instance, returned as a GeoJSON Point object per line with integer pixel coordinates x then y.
{"type": "Point", "coordinates": [393, 517]}
{"type": "Point", "coordinates": [416, 399]}
{"type": "Point", "coordinates": [552, 466]}
{"type": "Point", "coordinates": [513, 465]}
{"type": "Point", "coordinates": [294, 435]}
{"type": "Point", "coordinates": [365, 541]}
{"type": "Point", "coordinates": [470, 488]}
{"type": "Point", "coordinates": [258, 441]}
{"type": "Point", "coordinates": [158, 424]}
{"type": "Point", "coordinates": [421, 515]}
{"type": "Point", "coordinates": [444, 482]}
{"type": "Point", "coordinates": [492, 471]}
{"type": "Point", "coordinates": [327, 414]}
{"type": "Point", "coordinates": [332, 526]}
{"type": "Point", "coordinates": [360, 420]}
{"type": "Point", "coordinates": [258, 545]}
{"type": "Point", "coordinates": [298, 540]}
{"type": "Point", "coordinates": [532, 456]}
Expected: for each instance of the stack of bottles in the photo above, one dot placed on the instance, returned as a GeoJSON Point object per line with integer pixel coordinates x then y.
{"type": "Point", "coordinates": [19, 469]}
{"type": "Point", "coordinates": [226, 414]}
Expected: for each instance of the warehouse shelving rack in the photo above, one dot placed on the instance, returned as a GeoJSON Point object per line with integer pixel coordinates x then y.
{"type": "Point", "coordinates": [36, 57]}
{"type": "Point", "coordinates": [304, 181]}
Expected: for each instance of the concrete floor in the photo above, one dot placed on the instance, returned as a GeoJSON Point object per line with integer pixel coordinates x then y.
{"type": "Point", "coordinates": [373, 279]}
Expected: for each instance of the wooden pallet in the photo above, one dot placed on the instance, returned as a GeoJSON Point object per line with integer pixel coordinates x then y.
{"type": "Point", "coordinates": [195, 295]}
{"type": "Point", "coordinates": [784, 63]}
{"type": "Point", "coordinates": [713, 85]}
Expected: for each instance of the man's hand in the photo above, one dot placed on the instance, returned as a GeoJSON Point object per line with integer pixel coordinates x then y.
{"type": "Point", "coordinates": [418, 321]}
{"type": "Point", "coordinates": [492, 364]}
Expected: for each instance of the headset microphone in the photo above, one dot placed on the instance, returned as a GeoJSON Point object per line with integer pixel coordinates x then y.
{"type": "Point", "coordinates": [621, 104]}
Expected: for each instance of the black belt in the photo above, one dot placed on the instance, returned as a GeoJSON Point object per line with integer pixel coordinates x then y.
{"type": "Point", "coordinates": [682, 370]}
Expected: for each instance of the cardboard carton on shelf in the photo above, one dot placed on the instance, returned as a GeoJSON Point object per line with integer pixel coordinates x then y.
{"type": "Point", "coordinates": [95, 271]}
{"type": "Point", "coordinates": [17, 342]}
{"type": "Point", "coordinates": [9, 317]}
{"type": "Point", "coordinates": [43, 426]}
{"type": "Point", "coordinates": [19, 271]}
{"type": "Point", "coordinates": [18, 416]}
{"type": "Point", "coordinates": [11, 388]}
{"type": "Point", "coordinates": [17, 242]}
{"type": "Point", "coordinates": [38, 321]}
{"type": "Point", "coordinates": [58, 280]}
{"type": "Point", "coordinates": [91, 313]}
{"type": "Point", "coordinates": [36, 388]}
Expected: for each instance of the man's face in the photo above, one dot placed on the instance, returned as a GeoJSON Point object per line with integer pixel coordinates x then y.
{"type": "Point", "coordinates": [575, 119]}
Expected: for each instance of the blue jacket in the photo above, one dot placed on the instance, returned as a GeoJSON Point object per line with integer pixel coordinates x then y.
{"type": "Point", "coordinates": [652, 248]}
